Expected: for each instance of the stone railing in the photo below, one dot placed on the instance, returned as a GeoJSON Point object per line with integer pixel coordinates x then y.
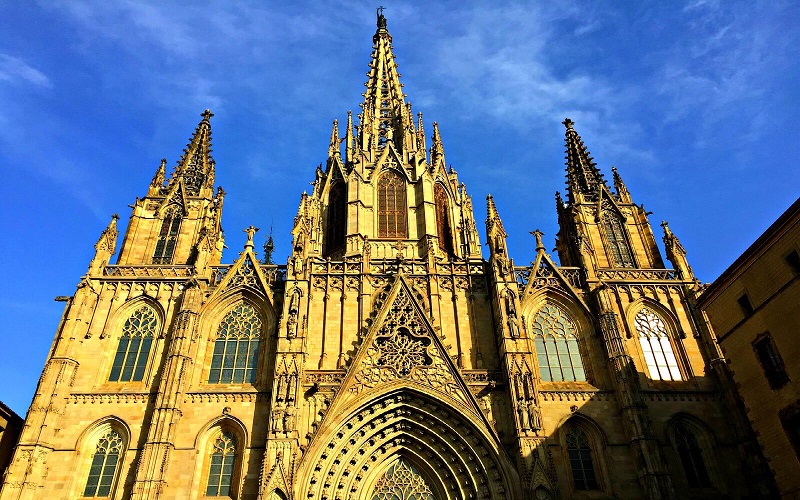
{"type": "Point", "coordinates": [148, 271]}
{"type": "Point", "coordinates": [637, 274]}
{"type": "Point", "coordinates": [273, 273]}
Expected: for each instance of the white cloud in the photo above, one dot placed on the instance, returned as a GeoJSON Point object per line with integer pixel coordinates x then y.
{"type": "Point", "coordinates": [14, 69]}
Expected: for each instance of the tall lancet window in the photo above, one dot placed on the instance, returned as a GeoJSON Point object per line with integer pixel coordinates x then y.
{"type": "Point", "coordinates": [656, 346]}
{"type": "Point", "coordinates": [103, 471]}
{"type": "Point", "coordinates": [556, 344]}
{"type": "Point", "coordinates": [168, 236]}
{"type": "Point", "coordinates": [235, 358]}
{"type": "Point", "coordinates": [221, 467]}
{"type": "Point", "coordinates": [392, 208]}
{"type": "Point", "coordinates": [337, 217]}
{"type": "Point", "coordinates": [619, 249]}
{"type": "Point", "coordinates": [134, 346]}
{"type": "Point", "coordinates": [443, 228]}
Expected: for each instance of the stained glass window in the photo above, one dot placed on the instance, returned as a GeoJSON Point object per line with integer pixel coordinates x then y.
{"type": "Point", "coordinates": [134, 346]}
{"type": "Point", "coordinates": [691, 458]}
{"type": "Point", "coordinates": [168, 236]}
{"type": "Point", "coordinates": [556, 343]}
{"type": "Point", "coordinates": [235, 358]}
{"type": "Point", "coordinates": [402, 481]}
{"type": "Point", "coordinates": [220, 471]}
{"type": "Point", "coordinates": [443, 219]}
{"type": "Point", "coordinates": [337, 217]}
{"type": "Point", "coordinates": [656, 346]}
{"type": "Point", "coordinates": [580, 460]}
{"type": "Point", "coordinates": [618, 246]}
{"type": "Point", "coordinates": [392, 209]}
{"type": "Point", "coordinates": [103, 470]}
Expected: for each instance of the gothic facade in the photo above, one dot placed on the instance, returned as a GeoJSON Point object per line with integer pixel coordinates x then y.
{"type": "Point", "coordinates": [390, 357]}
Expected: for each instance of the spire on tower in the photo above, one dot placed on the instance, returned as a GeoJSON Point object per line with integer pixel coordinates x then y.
{"type": "Point", "coordinates": [157, 184]}
{"type": "Point", "coordinates": [676, 254]}
{"type": "Point", "coordinates": [437, 149]}
{"type": "Point", "coordinates": [269, 247]}
{"type": "Point", "coordinates": [196, 166]}
{"type": "Point", "coordinates": [333, 147]}
{"type": "Point", "coordinates": [348, 137]}
{"type": "Point", "coordinates": [583, 176]}
{"type": "Point", "coordinates": [620, 187]}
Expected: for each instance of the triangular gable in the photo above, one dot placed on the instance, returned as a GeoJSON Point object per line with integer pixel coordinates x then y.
{"type": "Point", "coordinates": [401, 350]}
{"type": "Point", "coordinates": [276, 479]}
{"type": "Point", "coordinates": [389, 159]}
{"type": "Point", "coordinates": [605, 194]}
{"type": "Point", "coordinates": [543, 266]}
{"type": "Point", "coordinates": [245, 272]}
{"type": "Point", "coordinates": [176, 195]}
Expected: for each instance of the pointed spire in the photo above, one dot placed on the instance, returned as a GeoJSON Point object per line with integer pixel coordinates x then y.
{"type": "Point", "coordinates": [437, 149]}
{"type": "Point", "coordinates": [158, 179]}
{"type": "Point", "coordinates": [196, 166]}
{"type": "Point", "coordinates": [492, 215]}
{"type": "Point", "coordinates": [333, 147]}
{"type": "Point", "coordinates": [269, 247]}
{"type": "Point", "coordinates": [348, 138]}
{"type": "Point", "coordinates": [108, 238]}
{"type": "Point", "coordinates": [676, 254]}
{"type": "Point", "coordinates": [620, 187]}
{"type": "Point", "coordinates": [583, 176]}
{"type": "Point", "coordinates": [421, 144]}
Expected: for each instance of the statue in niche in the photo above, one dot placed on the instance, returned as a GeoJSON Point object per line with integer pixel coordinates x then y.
{"type": "Point", "coordinates": [524, 417]}
{"type": "Point", "coordinates": [511, 308]}
{"type": "Point", "coordinates": [291, 326]}
{"type": "Point", "coordinates": [281, 390]}
{"type": "Point", "coordinates": [291, 390]}
{"type": "Point", "coordinates": [277, 419]}
{"type": "Point", "coordinates": [288, 419]}
{"type": "Point", "coordinates": [534, 415]}
{"type": "Point", "coordinates": [513, 328]}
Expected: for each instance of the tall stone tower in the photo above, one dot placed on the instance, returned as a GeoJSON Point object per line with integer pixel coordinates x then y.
{"type": "Point", "coordinates": [389, 358]}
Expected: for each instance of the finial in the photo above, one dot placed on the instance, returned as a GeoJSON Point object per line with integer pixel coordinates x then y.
{"type": "Point", "coordinates": [269, 247]}
{"type": "Point", "coordinates": [568, 123]}
{"type": "Point", "coordinates": [207, 114]}
{"type": "Point", "coordinates": [381, 18]}
{"type": "Point", "coordinates": [251, 231]}
{"type": "Point", "coordinates": [538, 235]}
{"type": "Point", "coordinates": [115, 218]}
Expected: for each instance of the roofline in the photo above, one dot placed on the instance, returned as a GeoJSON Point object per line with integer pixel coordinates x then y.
{"type": "Point", "coordinates": [748, 255]}
{"type": "Point", "coordinates": [11, 413]}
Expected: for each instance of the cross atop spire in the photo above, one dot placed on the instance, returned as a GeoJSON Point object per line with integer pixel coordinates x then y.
{"type": "Point", "coordinates": [196, 166]}
{"type": "Point", "coordinates": [583, 176]}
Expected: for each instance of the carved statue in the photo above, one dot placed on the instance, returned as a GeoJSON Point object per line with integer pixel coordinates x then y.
{"type": "Point", "coordinates": [513, 326]}
{"type": "Point", "coordinates": [277, 419]}
{"type": "Point", "coordinates": [524, 417]}
{"type": "Point", "coordinates": [511, 308]}
{"type": "Point", "coordinates": [288, 419]}
{"type": "Point", "coordinates": [291, 391]}
{"type": "Point", "coordinates": [291, 326]}
{"type": "Point", "coordinates": [281, 387]}
{"type": "Point", "coordinates": [535, 415]}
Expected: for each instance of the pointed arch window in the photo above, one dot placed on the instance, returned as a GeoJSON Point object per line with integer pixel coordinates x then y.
{"type": "Point", "coordinates": [221, 466]}
{"type": "Point", "coordinates": [235, 358]}
{"type": "Point", "coordinates": [443, 228]}
{"type": "Point", "coordinates": [103, 471]}
{"type": "Point", "coordinates": [337, 217]}
{"type": "Point", "coordinates": [402, 481]}
{"type": "Point", "coordinates": [134, 346]}
{"type": "Point", "coordinates": [392, 208]}
{"type": "Point", "coordinates": [620, 253]}
{"type": "Point", "coordinates": [556, 343]}
{"type": "Point", "coordinates": [168, 236]}
{"type": "Point", "coordinates": [659, 354]}
{"type": "Point", "coordinates": [580, 460]}
{"type": "Point", "coordinates": [691, 457]}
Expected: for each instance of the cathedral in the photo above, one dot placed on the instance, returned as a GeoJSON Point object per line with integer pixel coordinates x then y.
{"type": "Point", "coordinates": [392, 356]}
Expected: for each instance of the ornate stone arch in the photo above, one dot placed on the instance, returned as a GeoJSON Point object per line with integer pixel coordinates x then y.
{"type": "Point", "coordinates": [391, 213]}
{"type": "Point", "coordinates": [597, 442]}
{"type": "Point", "coordinates": [87, 445]}
{"type": "Point", "coordinates": [335, 194]}
{"type": "Point", "coordinates": [445, 223]}
{"type": "Point", "coordinates": [144, 307]}
{"type": "Point", "coordinates": [224, 425]}
{"type": "Point", "coordinates": [657, 312]}
{"type": "Point", "coordinates": [457, 458]}
{"type": "Point", "coordinates": [118, 317]}
{"type": "Point", "coordinates": [703, 436]}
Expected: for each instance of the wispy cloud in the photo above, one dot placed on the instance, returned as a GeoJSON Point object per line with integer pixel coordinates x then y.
{"type": "Point", "coordinates": [16, 70]}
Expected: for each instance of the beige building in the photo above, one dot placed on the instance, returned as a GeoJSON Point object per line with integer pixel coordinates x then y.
{"type": "Point", "coordinates": [10, 427]}
{"type": "Point", "coordinates": [390, 357]}
{"type": "Point", "coordinates": [754, 308]}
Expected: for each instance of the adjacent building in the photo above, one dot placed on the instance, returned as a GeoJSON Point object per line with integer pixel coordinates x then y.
{"type": "Point", "coordinates": [389, 357]}
{"type": "Point", "coordinates": [754, 309]}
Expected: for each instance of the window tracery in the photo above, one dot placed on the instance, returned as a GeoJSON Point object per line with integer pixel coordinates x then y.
{"type": "Point", "coordinates": [103, 470]}
{"type": "Point", "coordinates": [235, 358]}
{"type": "Point", "coordinates": [580, 460]}
{"type": "Point", "coordinates": [657, 348]}
{"type": "Point", "coordinates": [337, 217]}
{"type": "Point", "coordinates": [556, 343]}
{"type": "Point", "coordinates": [221, 466]}
{"type": "Point", "coordinates": [402, 481]}
{"type": "Point", "coordinates": [134, 346]}
{"type": "Point", "coordinates": [691, 457]}
{"type": "Point", "coordinates": [443, 228]}
{"type": "Point", "coordinates": [618, 246]}
{"type": "Point", "coordinates": [168, 236]}
{"type": "Point", "coordinates": [392, 209]}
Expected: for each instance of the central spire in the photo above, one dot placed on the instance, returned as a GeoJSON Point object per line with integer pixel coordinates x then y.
{"type": "Point", "coordinates": [385, 118]}
{"type": "Point", "coordinates": [583, 176]}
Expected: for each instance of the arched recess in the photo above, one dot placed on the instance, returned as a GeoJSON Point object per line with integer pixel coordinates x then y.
{"type": "Point", "coordinates": [583, 453]}
{"type": "Point", "coordinates": [231, 431]}
{"type": "Point", "coordinates": [336, 216]}
{"type": "Point", "coordinates": [457, 458]}
{"type": "Point", "coordinates": [584, 331]}
{"type": "Point", "coordinates": [615, 236]}
{"type": "Point", "coordinates": [211, 316]}
{"type": "Point", "coordinates": [693, 446]}
{"type": "Point", "coordinates": [127, 321]}
{"type": "Point", "coordinates": [656, 329]}
{"type": "Point", "coordinates": [169, 231]}
{"type": "Point", "coordinates": [444, 224]}
{"type": "Point", "coordinates": [105, 439]}
{"type": "Point", "coordinates": [392, 205]}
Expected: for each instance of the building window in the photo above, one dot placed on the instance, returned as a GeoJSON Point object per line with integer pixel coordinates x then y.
{"type": "Point", "coordinates": [392, 209]}
{"type": "Point", "coordinates": [337, 217]}
{"type": "Point", "coordinates": [771, 361]}
{"type": "Point", "coordinates": [402, 481]}
{"type": "Point", "coordinates": [659, 355]}
{"type": "Point", "coordinates": [580, 460]}
{"type": "Point", "coordinates": [235, 358]}
{"type": "Point", "coordinates": [103, 470]}
{"type": "Point", "coordinates": [691, 458]}
{"type": "Point", "coordinates": [443, 229]}
{"type": "Point", "coordinates": [793, 261]}
{"type": "Point", "coordinates": [556, 343]}
{"type": "Point", "coordinates": [134, 346]}
{"type": "Point", "coordinates": [745, 305]}
{"type": "Point", "coordinates": [620, 253]}
{"type": "Point", "coordinates": [220, 471]}
{"type": "Point", "coordinates": [168, 236]}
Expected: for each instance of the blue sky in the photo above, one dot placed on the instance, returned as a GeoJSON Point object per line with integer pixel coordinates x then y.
{"type": "Point", "coordinates": [695, 102]}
